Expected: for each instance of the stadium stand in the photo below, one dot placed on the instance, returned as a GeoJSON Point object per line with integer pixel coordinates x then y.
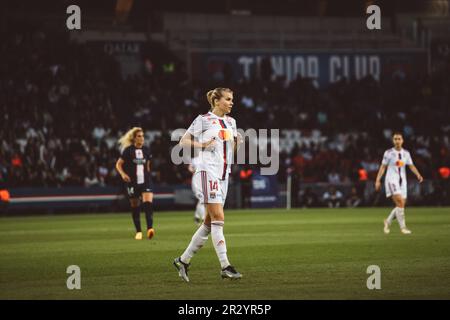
{"type": "Point", "coordinates": [64, 104]}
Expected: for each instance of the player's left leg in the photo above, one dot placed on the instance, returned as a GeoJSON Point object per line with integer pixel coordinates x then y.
{"type": "Point", "coordinates": [147, 206]}
{"type": "Point", "coordinates": [400, 201]}
{"type": "Point", "coordinates": [215, 210]}
{"type": "Point", "coordinates": [402, 220]}
{"type": "Point", "coordinates": [217, 236]}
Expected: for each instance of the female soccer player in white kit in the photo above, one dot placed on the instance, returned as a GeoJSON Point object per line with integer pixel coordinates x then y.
{"type": "Point", "coordinates": [216, 135]}
{"type": "Point", "coordinates": [395, 160]}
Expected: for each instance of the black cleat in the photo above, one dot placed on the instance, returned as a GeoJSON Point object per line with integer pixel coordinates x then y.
{"type": "Point", "coordinates": [230, 273]}
{"type": "Point", "coordinates": [182, 268]}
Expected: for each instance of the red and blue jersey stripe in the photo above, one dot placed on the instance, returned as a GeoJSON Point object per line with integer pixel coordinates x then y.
{"type": "Point", "coordinates": [225, 164]}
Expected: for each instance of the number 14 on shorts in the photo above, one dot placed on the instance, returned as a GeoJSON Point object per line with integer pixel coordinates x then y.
{"type": "Point", "coordinates": [213, 185]}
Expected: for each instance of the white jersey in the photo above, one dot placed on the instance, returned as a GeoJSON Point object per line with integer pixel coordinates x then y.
{"type": "Point", "coordinates": [195, 162]}
{"type": "Point", "coordinates": [217, 158]}
{"type": "Point", "coordinates": [396, 162]}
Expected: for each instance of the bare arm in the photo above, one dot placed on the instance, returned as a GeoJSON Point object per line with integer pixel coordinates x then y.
{"type": "Point", "coordinates": [119, 168]}
{"type": "Point", "coordinates": [380, 174]}
{"type": "Point", "coordinates": [416, 172]}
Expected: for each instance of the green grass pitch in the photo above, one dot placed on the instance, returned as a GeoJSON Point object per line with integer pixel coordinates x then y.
{"type": "Point", "coordinates": [296, 254]}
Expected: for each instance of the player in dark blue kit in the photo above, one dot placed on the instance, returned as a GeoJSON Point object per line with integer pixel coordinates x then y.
{"type": "Point", "coordinates": [134, 168]}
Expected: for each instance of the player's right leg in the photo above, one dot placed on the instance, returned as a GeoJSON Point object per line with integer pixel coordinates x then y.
{"type": "Point", "coordinates": [201, 235]}
{"type": "Point", "coordinates": [136, 215]}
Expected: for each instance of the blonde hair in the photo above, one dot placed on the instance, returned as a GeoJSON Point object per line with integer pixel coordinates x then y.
{"type": "Point", "coordinates": [128, 138]}
{"type": "Point", "coordinates": [216, 94]}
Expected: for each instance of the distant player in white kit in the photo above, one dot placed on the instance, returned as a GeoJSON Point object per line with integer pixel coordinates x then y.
{"type": "Point", "coordinates": [395, 160]}
{"type": "Point", "coordinates": [200, 210]}
{"type": "Point", "coordinates": [215, 134]}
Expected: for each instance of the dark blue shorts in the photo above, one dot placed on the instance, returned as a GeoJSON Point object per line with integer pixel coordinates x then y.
{"type": "Point", "coordinates": [135, 190]}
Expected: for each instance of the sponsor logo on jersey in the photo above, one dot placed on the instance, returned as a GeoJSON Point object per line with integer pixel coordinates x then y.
{"type": "Point", "coordinates": [139, 161]}
{"type": "Point", "coordinates": [212, 195]}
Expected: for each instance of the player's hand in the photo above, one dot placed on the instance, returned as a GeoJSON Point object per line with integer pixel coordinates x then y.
{"type": "Point", "coordinates": [126, 178]}
{"type": "Point", "coordinates": [377, 185]}
{"type": "Point", "coordinates": [207, 144]}
{"type": "Point", "coordinates": [420, 178]}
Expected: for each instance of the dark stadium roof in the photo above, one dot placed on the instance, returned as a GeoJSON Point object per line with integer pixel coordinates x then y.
{"type": "Point", "coordinates": [142, 8]}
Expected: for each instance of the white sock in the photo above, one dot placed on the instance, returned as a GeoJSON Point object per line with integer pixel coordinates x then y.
{"type": "Point", "coordinates": [401, 217]}
{"type": "Point", "coordinates": [200, 211]}
{"type": "Point", "coordinates": [198, 240]}
{"type": "Point", "coordinates": [219, 242]}
{"type": "Point", "coordinates": [391, 216]}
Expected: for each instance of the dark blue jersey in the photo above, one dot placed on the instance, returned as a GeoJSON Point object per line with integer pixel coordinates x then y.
{"type": "Point", "coordinates": [135, 164]}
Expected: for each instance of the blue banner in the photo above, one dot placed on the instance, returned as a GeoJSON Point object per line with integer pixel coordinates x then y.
{"type": "Point", "coordinates": [79, 197]}
{"type": "Point", "coordinates": [323, 67]}
{"type": "Point", "coordinates": [264, 191]}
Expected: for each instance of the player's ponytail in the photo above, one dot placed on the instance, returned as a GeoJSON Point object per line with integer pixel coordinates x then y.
{"type": "Point", "coordinates": [209, 96]}
{"type": "Point", "coordinates": [128, 138]}
{"type": "Point", "coordinates": [216, 94]}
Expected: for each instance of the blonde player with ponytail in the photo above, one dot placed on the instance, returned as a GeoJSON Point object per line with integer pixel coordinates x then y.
{"type": "Point", "coordinates": [215, 135]}
{"type": "Point", "coordinates": [134, 168]}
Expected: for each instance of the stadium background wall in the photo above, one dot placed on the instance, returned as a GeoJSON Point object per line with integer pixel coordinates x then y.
{"type": "Point", "coordinates": [180, 197]}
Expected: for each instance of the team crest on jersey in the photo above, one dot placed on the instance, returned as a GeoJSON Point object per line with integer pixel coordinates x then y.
{"type": "Point", "coordinates": [399, 163]}
{"type": "Point", "coordinates": [225, 135]}
{"type": "Point", "coordinates": [139, 154]}
{"type": "Point", "coordinates": [212, 195]}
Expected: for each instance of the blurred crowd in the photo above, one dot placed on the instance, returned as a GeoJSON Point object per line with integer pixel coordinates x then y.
{"type": "Point", "coordinates": [63, 105]}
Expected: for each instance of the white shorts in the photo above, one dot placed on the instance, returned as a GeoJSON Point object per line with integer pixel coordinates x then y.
{"type": "Point", "coordinates": [208, 189]}
{"type": "Point", "coordinates": [393, 187]}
